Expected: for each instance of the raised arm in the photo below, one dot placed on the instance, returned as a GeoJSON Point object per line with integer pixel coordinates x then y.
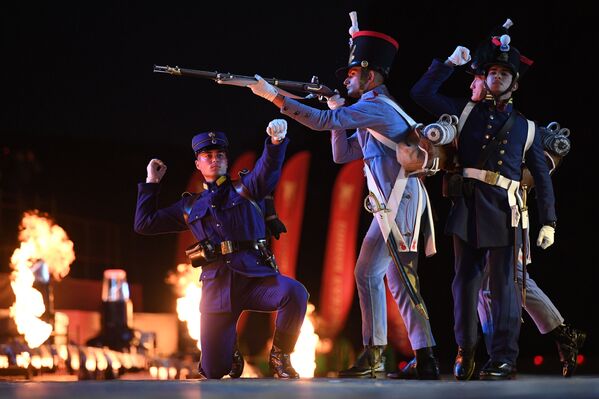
{"type": "Point", "coordinates": [148, 218]}
{"type": "Point", "coordinates": [426, 90]}
{"type": "Point", "coordinates": [261, 181]}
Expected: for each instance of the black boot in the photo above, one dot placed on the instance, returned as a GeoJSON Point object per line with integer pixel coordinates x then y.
{"type": "Point", "coordinates": [368, 364]}
{"type": "Point", "coordinates": [569, 341]}
{"type": "Point", "coordinates": [237, 364]}
{"type": "Point", "coordinates": [495, 371]}
{"type": "Point", "coordinates": [426, 364]}
{"type": "Point", "coordinates": [407, 372]}
{"type": "Point", "coordinates": [279, 360]}
{"type": "Point", "coordinates": [463, 368]}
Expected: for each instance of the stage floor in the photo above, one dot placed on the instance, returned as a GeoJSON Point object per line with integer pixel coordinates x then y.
{"type": "Point", "coordinates": [526, 386]}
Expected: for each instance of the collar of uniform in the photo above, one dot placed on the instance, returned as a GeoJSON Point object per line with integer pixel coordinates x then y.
{"type": "Point", "coordinates": [218, 182]}
{"type": "Point", "coordinates": [503, 106]}
{"type": "Point", "coordinates": [369, 95]}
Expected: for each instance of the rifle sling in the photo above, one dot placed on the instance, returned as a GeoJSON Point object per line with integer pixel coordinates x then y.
{"type": "Point", "coordinates": [245, 193]}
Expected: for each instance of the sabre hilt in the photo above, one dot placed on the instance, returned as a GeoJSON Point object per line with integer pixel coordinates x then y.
{"type": "Point", "coordinates": [376, 207]}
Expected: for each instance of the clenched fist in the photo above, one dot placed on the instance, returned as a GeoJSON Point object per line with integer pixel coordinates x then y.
{"type": "Point", "coordinates": [460, 56]}
{"type": "Point", "coordinates": [156, 170]}
{"type": "Point", "coordinates": [277, 129]}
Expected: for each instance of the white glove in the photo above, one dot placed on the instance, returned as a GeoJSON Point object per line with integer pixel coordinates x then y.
{"type": "Point", "coordinates": [546, 237]}
{"type": "Point", "coordinates": [277, 129]}
{"type": "Point", "coordinates": [263, 89]}
{"type": "Point", "coordinates": [335, 101]}
{"type": "Point", "coordinates": [460, 56]}
{"type": "Point", "coordinates": [156, 170]}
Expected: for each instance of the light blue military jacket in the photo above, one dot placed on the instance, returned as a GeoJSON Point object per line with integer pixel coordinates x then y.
{"type": "Point", "coordinates": [371, 112]}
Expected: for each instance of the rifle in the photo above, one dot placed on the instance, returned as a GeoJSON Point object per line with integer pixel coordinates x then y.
{"type": "Point", "coordinates": [312, 89]}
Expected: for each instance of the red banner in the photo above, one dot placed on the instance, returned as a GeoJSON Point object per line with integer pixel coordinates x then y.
{"type": "Point", "coordinates": [185, 239]}
{"type": "Point", "coordinates": [337, 289]}
{"type": "Point", "coordinates": [290, 197]}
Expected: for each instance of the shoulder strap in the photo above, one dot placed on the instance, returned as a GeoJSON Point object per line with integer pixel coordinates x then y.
{"type": "Point", "coordinates": [530, 136]}
{"type": "Point", "coordinates": [484, 155]}
{"type": "Point", "coordinates": [465, 114]}
{"type": "Point", "coordinates": [396, 106]}
{"type": "Point", "coordinates": [383, 139]}
{"type": "Point", "coordinates": [245, 193]}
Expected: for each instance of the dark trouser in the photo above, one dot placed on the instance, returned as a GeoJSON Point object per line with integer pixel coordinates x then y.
{"type": "Point", "coordinates": [505, 300]}
{"type": "Point", "coordinates": [276, 293]}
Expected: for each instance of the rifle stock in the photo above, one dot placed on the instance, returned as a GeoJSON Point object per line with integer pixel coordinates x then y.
{"type": "Point", "coordinates": [312, 89]}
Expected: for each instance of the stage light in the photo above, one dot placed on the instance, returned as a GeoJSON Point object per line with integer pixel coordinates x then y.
{"type": "Point", "coordinates": [538, 360]}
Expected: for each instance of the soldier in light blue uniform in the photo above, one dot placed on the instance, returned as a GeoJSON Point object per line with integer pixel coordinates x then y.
{"type": "Point", "coordinates": [483, 220]}
{"type": "Point", "coordinates": [373, 114]}
{"type": "Point", "coordinates": [238, 272]}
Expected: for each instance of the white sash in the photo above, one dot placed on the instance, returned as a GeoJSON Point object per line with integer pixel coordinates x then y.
{"type": "Point", "coordinates": [386, 216]}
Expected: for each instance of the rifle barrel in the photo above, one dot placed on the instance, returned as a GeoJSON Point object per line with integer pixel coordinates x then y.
{"type": "Point", "coordinates": [313, 88]}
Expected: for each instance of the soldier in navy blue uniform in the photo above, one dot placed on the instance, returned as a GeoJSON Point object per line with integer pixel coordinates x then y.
{"type": "Point", "coordinates": [485, 217]}
{"type": "Point", "coordinates": [238, 271]}
{"type": "Point", "coordinates": [539, 307]}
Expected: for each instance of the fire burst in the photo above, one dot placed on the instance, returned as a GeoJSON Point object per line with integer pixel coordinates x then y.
{"type": "Point", "coordinates": [41, 240]}
{"type": "Point", "coordinates": [189, 289]}
{"type": "Point", "coordinates": [304, 356]}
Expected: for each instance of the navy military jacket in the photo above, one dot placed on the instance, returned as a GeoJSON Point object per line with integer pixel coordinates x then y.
{"type": "Point", "coordinates": [219, 214]}
{"type": "Point", "coordinates": [484, 219]}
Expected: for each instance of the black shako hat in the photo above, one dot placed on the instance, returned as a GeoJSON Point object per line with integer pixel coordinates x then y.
{"type": "Point", "coordinates": [477, 69]}
{"type": "Point", "coordinates": [501, 54]}
{"type": "Point", "coordinates": [370, 49]}
{"type": "Point", "coordinates": [497, 50]}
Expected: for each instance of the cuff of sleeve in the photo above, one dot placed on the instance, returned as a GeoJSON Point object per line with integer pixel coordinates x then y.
{"type": "Point", "coordinates": [277, 147]}
{"type": "Point", "coordinates": [290, 107]}
{"type": "Point", "coordinates": [148, 187]}
{"type": "Point", "coordinates": [444, 64]}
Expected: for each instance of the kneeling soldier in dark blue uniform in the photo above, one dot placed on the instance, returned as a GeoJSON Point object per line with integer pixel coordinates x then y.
{"type": "Point", "coordinates": [238, 270]}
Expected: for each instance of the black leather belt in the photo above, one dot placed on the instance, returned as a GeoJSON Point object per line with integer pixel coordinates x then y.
{"type": "Point", "coordinates": [228, 247]}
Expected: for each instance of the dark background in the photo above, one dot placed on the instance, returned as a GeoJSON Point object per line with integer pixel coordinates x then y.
{"type": "Point", "coordinates": [83, 113]}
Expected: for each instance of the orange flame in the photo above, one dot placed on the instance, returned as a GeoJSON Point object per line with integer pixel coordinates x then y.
{"type": "Point", "coordinates": [41, 239]}
{"type": "Point", "coordinates": [189, 289]}
{"type": "Point", "coordinates": [304, 356]}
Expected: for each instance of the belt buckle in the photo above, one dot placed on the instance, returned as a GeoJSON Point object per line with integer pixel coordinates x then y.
{"type": "Point", "coordinates": [226, 247]}
{"type": "Point", "coordinates": [491, 177]}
